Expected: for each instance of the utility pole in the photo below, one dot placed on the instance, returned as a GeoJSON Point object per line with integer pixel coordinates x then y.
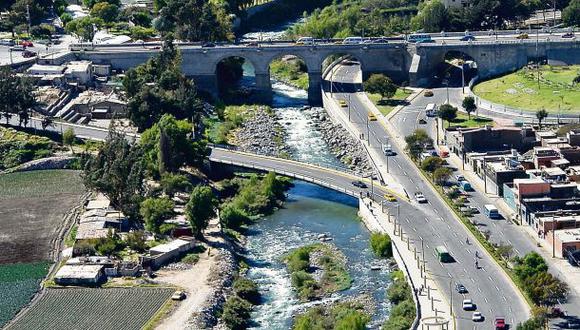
{"type": "Point", "coordinates": [349, 107]}
{"type": "Point", "coordinates": [368, 132]}
{"type": "Point", "coordinates": [462, 79]}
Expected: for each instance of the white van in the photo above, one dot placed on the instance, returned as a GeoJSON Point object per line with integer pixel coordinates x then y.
{"type": "Point", "coordinates": [352, 41]}
{"type": "Point", "coordinates": [431, 110]}
{"type": "Point", "coordinates": [305, 41]}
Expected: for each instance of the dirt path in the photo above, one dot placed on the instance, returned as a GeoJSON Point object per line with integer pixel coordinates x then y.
{"type": "Point", "coordinates": [195, 283]}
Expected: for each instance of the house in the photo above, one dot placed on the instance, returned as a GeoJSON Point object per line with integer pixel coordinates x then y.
{"type": "Point", "coordinates": [79, 72]}
{"type": "Point", "coordinates": [166, 253]}
{"type": "Point", "coordinates": [485, 139]}
{"type": "Point", "coordinates": [565, 240]}
{"type": "Point", "coordinates": [84, 275]}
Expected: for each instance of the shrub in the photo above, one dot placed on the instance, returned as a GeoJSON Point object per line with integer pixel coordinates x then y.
{"type": "Point", "coordinates": [232, 217]}
{"type": "Point", "coordinates": [190, 258]}
{"type": "Point", "coordinates": [236, 313]}
{"type": "Point", "coordinates": [399, 292]}
{"type": "Point", "coordinates": [247, 290]}
{"type": "Point", "coordinates": [381, 245]}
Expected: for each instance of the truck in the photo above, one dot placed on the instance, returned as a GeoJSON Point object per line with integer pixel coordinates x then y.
{"type": "Point", "coordinates": [442, 254]}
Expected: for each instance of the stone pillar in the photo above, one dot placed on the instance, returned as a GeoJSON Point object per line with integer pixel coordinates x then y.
{"type": "Point", "coordinates": [314, 88]}
{"type": "Point", "coordinates": [207, 83]}
{"type": "Point", "coordinates": [264, 87]}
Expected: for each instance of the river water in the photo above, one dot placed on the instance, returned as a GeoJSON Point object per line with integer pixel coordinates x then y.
{"type": "Point", "coordinates": [310, 210]}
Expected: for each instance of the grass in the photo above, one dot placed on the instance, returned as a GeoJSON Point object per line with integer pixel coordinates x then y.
{"type": "Point", "coordinates": [463, 120]}
{"type": "Point", "coordinates": [18, 147]}
{"type": "Point", "coordinates": [290, 73]}
{"type": "Point", "coordinates": [18, 284]}
{"type": "Point", "coordinates": [386, 106]}
{"type": "Point", "coordinates": [520, 89]}
{"type": "Point", "coordinates": [71, 237]}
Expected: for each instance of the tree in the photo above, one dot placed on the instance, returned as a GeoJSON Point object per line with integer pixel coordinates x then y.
{"type": "Point", "coordinates": [168, 146]}
{"type": "Point", "coordinates": [381, 245]}
{"type": "Point", "coordinates": [172, 183]}
{"type": "Point", "coordinates": [576, 80]}
{"type": "Point", "coordinates": [417, 142]}
{"type": "Point", "coordinates": [545, 289]}
{"type": "Point", "coordinates": [155, 211]}
{"type": "Point", "coordinates": [232, 217]}
{"type": "Point", "coordinates": [16, 96]}
{"type": "Point", "coordinates": [529, 265]}
{"type": "Point", "coordinates": [68, 138]}
{"type": "Point", "coordinates": [571, 14]}
{"type": "Point", "coordinates": [91, 3]}
{"type": "Point", "coordinates": [469, 105]}
{"type": "Point", "coordinates": [447, 112]}
{"type": "Point", "coordinates": [441, 175]}
{"type": "Point", "coordinates": [47, 121]}
{"type": "Point", "coordinates": [200, 209]}
{"type": "Point", "coordinates": [105, 11]}
{"type": "Point", "coordinates": [541, 115]}
{"type": "Point", "coordinates": [430, 164]}
{"type": "Point", "coordinates": [432, 17]}
{"type": "Point", "coordinates": [42, 31]}
{"type": "Point", "coordinates": [380, 84]}
{"type": "Point", "coordinates": [117, 171]}
{"type": "Point", "coordinates": [195, 20]}
{"type": "Point", "coordinates": [84, 27]}
{"type": "Point", "coordinates": [505, 250]}
{"type": "Point", "coordinates": [136, 240]}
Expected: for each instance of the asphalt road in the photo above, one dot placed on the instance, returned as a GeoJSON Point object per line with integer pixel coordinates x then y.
{"type": "Point", "coordinates": [502, 231]}
{"type": "Point", "coordinates": [488, 286]}
{"type": "Point", "coordinates": [8, 57]}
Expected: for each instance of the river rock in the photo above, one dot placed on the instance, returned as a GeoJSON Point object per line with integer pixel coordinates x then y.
{"type": "Point", "coordinates": [262, 134]}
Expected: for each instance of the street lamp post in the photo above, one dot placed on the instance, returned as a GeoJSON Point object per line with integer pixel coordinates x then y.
{"type": "Point", "coordinates": [368, 132]}
{"type": "Point", "coordinates": [349, 107]}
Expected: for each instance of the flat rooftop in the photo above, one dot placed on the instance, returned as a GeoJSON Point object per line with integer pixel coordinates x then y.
{"type": "Point", "coordinates": [568, 235]}
{"type": "Point", "coordinates": [78, 272]}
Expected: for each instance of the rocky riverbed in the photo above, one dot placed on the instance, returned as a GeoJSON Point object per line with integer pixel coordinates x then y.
{"type": "Point", "coordinates": [262, 134]}
{"type": "Point", "coordinates": [348, 150]}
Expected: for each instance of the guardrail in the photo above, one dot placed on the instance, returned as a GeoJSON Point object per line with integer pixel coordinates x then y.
{"type": "Point", "coordinates": [260, 167]}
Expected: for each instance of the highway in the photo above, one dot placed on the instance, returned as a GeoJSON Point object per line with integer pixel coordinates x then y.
{"type": "Point", "coordinates": [489, 287]}
{"type": "Point", "coordinates": [502, 231]}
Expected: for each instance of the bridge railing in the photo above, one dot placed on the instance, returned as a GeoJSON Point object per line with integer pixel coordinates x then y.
{"type": "Point", "coordinates": [291, 174]}
{"type": "Point", "coordinates": [321, 165]}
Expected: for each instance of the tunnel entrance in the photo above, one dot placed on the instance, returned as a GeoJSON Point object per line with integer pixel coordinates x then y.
{"type": "Point", "coordinates": [457, 69]}
{"type": "Point", "coordinates": [342, 72]}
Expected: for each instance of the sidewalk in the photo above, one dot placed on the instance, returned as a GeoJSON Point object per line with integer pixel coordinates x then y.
{"type": "Point", "coordinates": [431, 303]}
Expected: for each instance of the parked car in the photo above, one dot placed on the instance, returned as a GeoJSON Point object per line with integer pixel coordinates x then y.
{"type": "Point", "coordinates": [18, 48]}
{"type": "Point", "coordinates": [468, 305]}
{"type": "Point", "coordinates": [380, 41]}
{"type": "Point", "coordinates": [178, 295]}
{"type": "Point", "coordinates": [422, 121]}
{"type": "Point", "coordinates": [28, 54]}
{"type": "Point", "coordinates": [460, 288]}
{"type": "Point", "coordinates": [459, 178]}
{"type": "Point", "coordinates": [6, 42]}
{"type": "Point", "coordinates": [420, 198]}
{"type": "Point", "coordinates": [428, 93]}
{"type": "Point", "coordinates": [26, 43]}
{"type": "Point", "coordinates": [305, 41]}
{"type": "Point", "coordinates": [467, 38]}
{"type": "Point", "coordinates": [477, 317]}
{"type": "Point", "coordinates": [359, 184]}
{"type": "Point", "coordinates": [343, 103]}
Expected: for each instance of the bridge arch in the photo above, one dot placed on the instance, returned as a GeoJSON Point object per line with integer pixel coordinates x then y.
{"type": "Point", "coordinates": [457, 68]}
{"type": "Point", "coordinates": [239, 78]}
{"type": "Point", "coordinates": [351, 76]}
{"type": "Point", "coordinates": [291, 69]}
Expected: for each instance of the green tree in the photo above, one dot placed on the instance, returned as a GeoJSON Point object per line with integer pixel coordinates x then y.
{"type": "Point", "coordinates": [432, 17]}
{"type": "Point", "coordinates": [155, 211]}
{"type": "Point", "coordinates": [68, 138]}
{"type": "Point", "coordinates": [380, 84]}
{"type": "Point", "coordinates": [353, 320]}
{"type": "Point", "coordinates": [571, 14]}
{"type": "Point", "coordinates": [136, 240]}
{"type": "Point", "coordinates": [430, 164]}
{"type": "Point", "coordinates": [232, 217]}
{"type": "Point", "coordinates": [42, 31]}
{"type": "Point", "coordinates": [90, 3]}
{"type": "Point", "coordinates": [105, 11]}
{"type": "Point", "coordinates": [447, 112]}
{"type": "Point", "coordinates": [168, 146]}
{"type": "Point", "coordinates": [541, 115]}
{"type": "Point", "coordinates": [381, 245]}
{"type": "Point", "coordinates": [545, 289]}
{"type": "Point", "coordinates": [529, 265]}
{"type": "Point", "coordinates": [16, 96]}
{"type": "Point", "coordinates": [84, 27]}
{"type": "Point", "coordinates": [247, 290]}
{"type": "Point", "coordinates": [441, 175]}
{"type": "Point", "coordinates": [200, 209]}
{"type": "Point", "coordinates": [469, 105]}
{"type": "Point", "coordinates": [417, 142]}
{"type": "Point", "coordinates": [172, 183]}
{"type": "Point", "coordinates": [117, 171]}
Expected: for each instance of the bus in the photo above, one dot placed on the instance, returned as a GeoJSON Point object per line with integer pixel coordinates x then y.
{"type": "Point", "coordinates": [431, 110]}
{"type": "Point", "coordinates": [418, 38]}
{"type": "Point", "coordinates": [491, 211]}
{"type": "Point", "coordinates": [443, 254]}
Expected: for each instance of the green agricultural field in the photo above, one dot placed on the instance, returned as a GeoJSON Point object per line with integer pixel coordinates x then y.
{"type": "Point", "coordinates": [386, 106]}
{"type": "Point", "coordinates": [98, 309]}
{"type": "Point", "coordinates": [18, 284]}
{"type": "Point", "coordinates": [32, 207]}
{"type": "Point", "coordinates": [520, 89]}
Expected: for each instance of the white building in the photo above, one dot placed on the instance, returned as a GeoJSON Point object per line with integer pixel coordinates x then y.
{"type": "Point", "coordinates": [80, 72]}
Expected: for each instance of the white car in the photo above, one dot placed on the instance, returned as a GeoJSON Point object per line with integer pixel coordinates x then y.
{"type": "Point", "coordinates": [468, 305]}
{"type": "Point", "coordinates": [459, 178]}
{"type": "Point", "coordinates": [420, 197]}
{"type": "Point", "coordinates": [477, 317]}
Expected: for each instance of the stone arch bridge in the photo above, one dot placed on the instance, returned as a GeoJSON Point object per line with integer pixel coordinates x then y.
{"type": "Point", "coordinates": [415, 64]}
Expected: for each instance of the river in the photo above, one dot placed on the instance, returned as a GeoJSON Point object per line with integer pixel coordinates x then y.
{"type": "Point", "coordinates": [310, 210]}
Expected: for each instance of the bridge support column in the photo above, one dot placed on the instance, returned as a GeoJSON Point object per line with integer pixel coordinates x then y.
{"type": "Point", "coordinates": [264, 87]}
{"type": "Point", "coordinates": [207, 83]}
{"type": "Point", "coordinates": [314, 88]}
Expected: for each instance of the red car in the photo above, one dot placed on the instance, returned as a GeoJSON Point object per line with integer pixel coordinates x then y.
{"type": "Point", "coordinates": [26, 43]}
{"type": "Point", "coordinates": [499, 323]}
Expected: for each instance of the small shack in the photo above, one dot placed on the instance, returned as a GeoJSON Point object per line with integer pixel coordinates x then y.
{"type": "Point", "coordinates": [165, 253]}
{"type": "Point", "coordinates": [80, 274]}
